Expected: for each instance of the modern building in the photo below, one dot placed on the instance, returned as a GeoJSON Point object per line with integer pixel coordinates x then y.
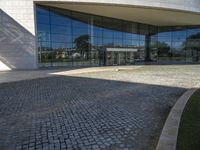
{"type": "Point", "coordinates": [45, 33]}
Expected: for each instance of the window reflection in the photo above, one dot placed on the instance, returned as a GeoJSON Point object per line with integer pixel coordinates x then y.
{"type": "Point", "coordinates": [67, 37]}
{"type": "Point", "coordinates": [43, 28]}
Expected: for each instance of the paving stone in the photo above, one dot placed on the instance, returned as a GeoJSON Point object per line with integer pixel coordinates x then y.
{"type": "Point", "coordinates": [113, 111]}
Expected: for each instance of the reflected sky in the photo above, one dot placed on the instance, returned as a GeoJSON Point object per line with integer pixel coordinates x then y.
{"type": "Point", "coordinates": [58, 30]}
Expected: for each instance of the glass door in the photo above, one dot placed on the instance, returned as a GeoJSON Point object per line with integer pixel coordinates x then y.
{"type": "Point", "coordinates": [115, 58]}
{"type": "Point", "coordinates": [130, 58]}
{"type": "Point", "coordinates": [109, 58]}
{"type": "Point", "coordinates": [102, 58]}
{"type": "Point", "coordinates": [122, 58]}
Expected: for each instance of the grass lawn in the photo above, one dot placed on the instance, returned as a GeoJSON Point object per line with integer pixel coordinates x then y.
{"type": "Point", "coordinates": [189, 130]}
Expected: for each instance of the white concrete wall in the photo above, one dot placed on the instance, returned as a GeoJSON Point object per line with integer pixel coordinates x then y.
{"type": "Point", "coordinates": [17, 28]}
{"type": "Point", "coordinates": [17, 34]}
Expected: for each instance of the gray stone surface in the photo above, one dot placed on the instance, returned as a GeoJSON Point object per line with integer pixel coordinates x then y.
{"type": "Point", "coordinates": [104, 110]}
{"type": "Point", "coordinates": [19, 75]}
{"type": "Point", "coordinates": [82, 113]}
{"type": "Point", "coordinates": [183, 76]}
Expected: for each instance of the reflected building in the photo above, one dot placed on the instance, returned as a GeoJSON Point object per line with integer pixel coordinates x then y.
{"type": "Point", "coordinates": [70, 33]}
{"type": "Point", "coordinates": [68, 37]}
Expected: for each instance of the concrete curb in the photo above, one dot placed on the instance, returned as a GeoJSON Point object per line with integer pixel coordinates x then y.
{"type": "Point", "coordinates": [168, 137]}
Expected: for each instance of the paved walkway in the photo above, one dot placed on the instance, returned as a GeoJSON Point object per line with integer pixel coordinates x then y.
{"type": "Point", "coordinates": [183, 76]}
{"type": "Point", "coordinates": [104, 110]}
{"type": "Point", "coordinates": [19, 75]}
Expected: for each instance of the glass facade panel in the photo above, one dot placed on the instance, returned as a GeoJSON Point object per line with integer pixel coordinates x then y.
{"type": "Point", "coordinates": [164, 44]}
{"type": "Point", "coordinates": [60, 20]}
{"type": "Point", "coordinates": [43, 28]}
{"type": "Point", "coordinates": [193, 44]}
{"type": "Point", "coordinates": [67, 37]}
{"type": "Point", "coordinates": [43, 19]}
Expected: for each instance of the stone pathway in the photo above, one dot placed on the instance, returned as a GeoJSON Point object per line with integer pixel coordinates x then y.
{"type": "Point", "coordinates": [19, 75]}
{"type": "Point", "coordinates": [104, 110]}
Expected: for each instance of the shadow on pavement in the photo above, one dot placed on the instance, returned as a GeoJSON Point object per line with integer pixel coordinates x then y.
{"type": "Point", "coordinates": [74, 113]}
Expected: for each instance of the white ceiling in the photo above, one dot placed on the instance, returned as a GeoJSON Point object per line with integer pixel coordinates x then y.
{"type": "Point", "coordinates": [153, 16]}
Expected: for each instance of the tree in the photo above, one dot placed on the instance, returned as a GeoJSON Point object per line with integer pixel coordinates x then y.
{"type": "Point", "coordinates": [163, 48]}
{"type": "Point", "coordinates": [82, 44]}
{"type": "Point", "coordinates": [193, 42]}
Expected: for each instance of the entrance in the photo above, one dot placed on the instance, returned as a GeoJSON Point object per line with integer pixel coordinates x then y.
{"type": "Point", "coordinates": [117, 57]}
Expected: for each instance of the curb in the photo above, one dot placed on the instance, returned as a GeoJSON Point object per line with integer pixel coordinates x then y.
{"type": "Point", "coordinates": [168, 137]}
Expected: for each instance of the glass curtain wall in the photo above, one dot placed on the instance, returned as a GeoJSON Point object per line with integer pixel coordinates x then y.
{"type": "Point", "coordinates": [71, 38]}
{"type": "Point", "coordinates": [67, 37]}
{"type": "Point", "coordinates": [178, 44]}
{"type": "Point", "coordinates": [192, 46]}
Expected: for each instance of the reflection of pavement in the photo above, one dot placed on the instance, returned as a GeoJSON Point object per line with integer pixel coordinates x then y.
{"type": "Point", "coordinates": [82, 112]}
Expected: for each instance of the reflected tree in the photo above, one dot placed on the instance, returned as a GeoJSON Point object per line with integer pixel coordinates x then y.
{"type": "Point", "coordinates": [193, 42]}
{"type": "Point", "coordinates": [193, 45]}
{"type": "Point", "coordinates": [83, 45]}
{"type": "Point", "coordinates": [163, 48]}
{"type": "Point", "coordinates": [194, 36]}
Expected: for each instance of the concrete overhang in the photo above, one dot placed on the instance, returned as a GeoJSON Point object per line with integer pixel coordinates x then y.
{"type": "Point", "coordinates": [148, 15]}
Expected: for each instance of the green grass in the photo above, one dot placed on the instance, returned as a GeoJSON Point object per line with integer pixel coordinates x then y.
{"type": "Point", "coordinates": [189, 130]}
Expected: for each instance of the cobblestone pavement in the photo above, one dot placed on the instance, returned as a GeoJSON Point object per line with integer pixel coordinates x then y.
{"type": "Point", "coordinates": [82, 112]}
